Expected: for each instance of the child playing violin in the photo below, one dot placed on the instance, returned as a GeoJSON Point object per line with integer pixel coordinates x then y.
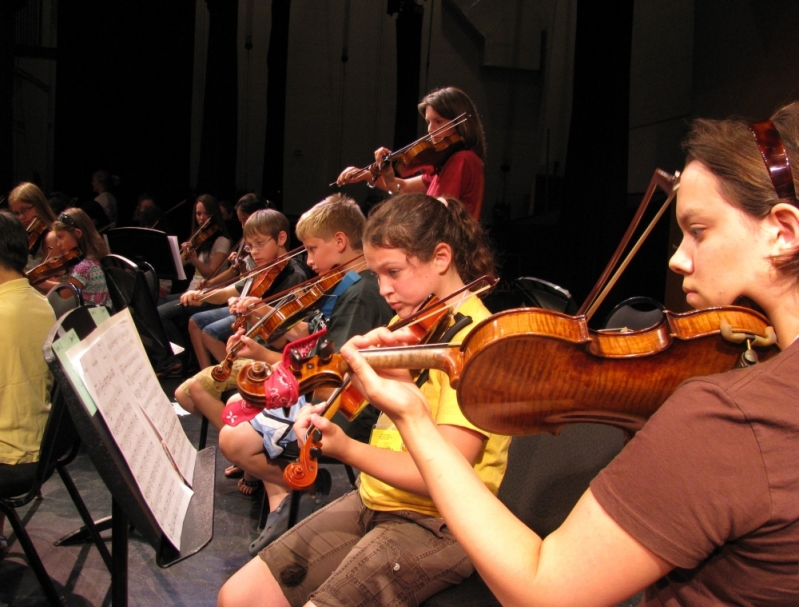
{"type": "Point", "coordinates": [461, 176]}
{"type": "Point", "coordinates": [266, 240]}
{"type": "Point", "coordinates": [75, 231]}
{"type": "Point", "coordinates": [28, 203]}
{"type": "Point", "coordinates": [206, 250]}
{"type": "Point", "coordinates": [266, 232]}
{"type": "Point", "coordinates": [238, 258]}
{"type": "Point", "coordinates": [331, 232]}
{"type": "Point", "coordinates": [386, 543]}
{"type": "Point", "coordinates": [702, 506]}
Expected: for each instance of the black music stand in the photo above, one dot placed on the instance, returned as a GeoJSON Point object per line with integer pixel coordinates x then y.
{"type": "Point", "coordinates": [144, 244]}
{"type": "Point", "coordinates": [128, 504]}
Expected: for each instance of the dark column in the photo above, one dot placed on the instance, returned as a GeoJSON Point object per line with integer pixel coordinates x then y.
{"type": "Point", "coordinates": [220, 109]}
{"type": "Point", "coordinates": [409, 57]}
{"type": "Point", "coordinates": [123, 98]}
{"type": "Point", "coordinates": [592, 218]}
{"type": "Point", "coordinates": [7, 10]}
{"type": "Point", "coordinates": [277, 63]}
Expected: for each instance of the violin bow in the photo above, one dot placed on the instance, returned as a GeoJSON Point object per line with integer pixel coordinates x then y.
{"type": "Point", "coordinates": [252, 273]}
{"type": "Point", "coordinates": [459, 119]}
{"type": "Point", "coordinates": [669, 184]}
{"type": "Point", "coordinates": [473, 289]}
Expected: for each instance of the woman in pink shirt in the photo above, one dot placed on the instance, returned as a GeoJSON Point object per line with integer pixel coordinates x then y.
{"type": "Point", "coordinates": [461, 176]}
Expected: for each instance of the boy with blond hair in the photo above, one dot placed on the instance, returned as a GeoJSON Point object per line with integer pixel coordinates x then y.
{"type": "Point", "coordinates": [331, 232]}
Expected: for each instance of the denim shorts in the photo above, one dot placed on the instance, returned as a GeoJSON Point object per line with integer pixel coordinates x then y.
{"type": "Point", "coordinates": [217, 323]}
{"type": "Point", "coordinates": [347, 554]}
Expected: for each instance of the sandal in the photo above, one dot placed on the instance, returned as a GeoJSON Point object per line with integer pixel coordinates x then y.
{"type": "Point", "coordinates": [173, 370]}
{"type": "Point", "coordinates": [233, 472]}
{"type": "Point", "coordinates": [249, 487]}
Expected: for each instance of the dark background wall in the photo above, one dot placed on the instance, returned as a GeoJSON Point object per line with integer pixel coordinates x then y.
{"type": "Point", "coordinates": [123, 100]}
{"type": "Point", "coordinates": [130, 77]}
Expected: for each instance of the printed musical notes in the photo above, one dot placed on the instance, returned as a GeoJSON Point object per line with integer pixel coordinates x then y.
{"type": "Point", "coordinates": [117, 374]}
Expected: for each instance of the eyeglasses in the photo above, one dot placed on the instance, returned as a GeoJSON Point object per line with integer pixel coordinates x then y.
{"type": "Point", "coordinates": [64, 218]}
{"type": "Point", "coordinates": [258, 245]}
{"type": "Point", "coordinates": [776, 158]}
{"type": "Point", "coordinates": [23, 211]}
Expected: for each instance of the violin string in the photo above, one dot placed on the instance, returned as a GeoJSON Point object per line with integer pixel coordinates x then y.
{"type": "Point", "coordinates": [460, 119]}
{"type": "Point", "coordinates": [252, 273]}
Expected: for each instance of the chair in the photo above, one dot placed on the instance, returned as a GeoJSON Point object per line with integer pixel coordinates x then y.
{"type": "Point", "coordinates": [128, 287]}
{"type": "Point", "coordinates": [546, 476]}
{"type": "Point", "coordinates": [58, 447]}
{"type": "Point", "coordinates": [60, 304]}
{"type": "Point", "coordinates": [545, 294]}
{"type": "Point", "coordinates": [634, 313]}
{"type": "Point", "coordinates": [151, 277]}
{"type": "Point", "coordinates": [526, 292]}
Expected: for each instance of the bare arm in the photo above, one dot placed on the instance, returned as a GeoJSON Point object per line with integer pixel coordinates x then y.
{"type": "Point", "coordinates": [589, 560]}
{"type": "Point", "coordinates": [395, 468]}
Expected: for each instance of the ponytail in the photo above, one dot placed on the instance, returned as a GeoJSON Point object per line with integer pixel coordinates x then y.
{"type": "Point", "coordinates": [417, 223]}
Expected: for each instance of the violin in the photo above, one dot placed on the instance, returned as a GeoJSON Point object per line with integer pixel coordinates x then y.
{"type": "Point", "coordinates": [564, 372]}
{"type": "Point", "coordinates": [429, 324]}
{"type": "Point", "coordinates": [202, 234]}
{"type": "Point", "coordinates": [255, 272]}
{"type": "Point", "coordinates": [238, 259]}
{"type": "Point", "coordinates": [293, 304]}
{"type": "Point", "coordinates": [52, 267]}
{"type": "Point", "coordinates": [260, 285]}
{"type": "Point", "coordinates": [421, 156]}
{"type": "Point", "coordinates": [36, 229]}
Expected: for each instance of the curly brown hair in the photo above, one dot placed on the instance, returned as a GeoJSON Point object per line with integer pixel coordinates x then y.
{"type": "Point", "coordinates": [417, 223]}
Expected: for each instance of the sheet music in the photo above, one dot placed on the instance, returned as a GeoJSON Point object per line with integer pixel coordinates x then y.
{"type": "Point", "coordinates": [115, 369]}
{"type": "Point", "coordinates": [173, 246]}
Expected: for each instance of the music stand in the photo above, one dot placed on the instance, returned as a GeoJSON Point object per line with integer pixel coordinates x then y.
{"type": "Point", "coordinates": [144, 244]}
{"type": "Point", "coordinates": [128, 503]}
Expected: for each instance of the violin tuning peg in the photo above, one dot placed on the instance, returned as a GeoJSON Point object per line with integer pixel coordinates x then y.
{"type": "Point", "coordinates": [296, 360]}
{"type": "Point", "coordinates": [326, 350]}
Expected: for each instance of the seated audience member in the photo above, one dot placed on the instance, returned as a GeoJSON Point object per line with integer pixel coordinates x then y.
{"type": "Point", "coordinates": [102, 184]}
{"type": "Point", "coordinates": [26, 318]}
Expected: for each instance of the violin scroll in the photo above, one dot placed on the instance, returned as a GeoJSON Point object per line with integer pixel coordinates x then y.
{"type": "Point", "coordinates": [301, 475]}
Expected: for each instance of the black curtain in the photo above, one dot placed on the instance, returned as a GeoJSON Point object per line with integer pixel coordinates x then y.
{"type": "Point", "coordinates": [409, 57]}
{"type": "Point", "coordinates": [277, 64]}
{"type": "Point", "coordinates": [7, 10]}
{"type": "Point", "coordinates": [593, 214]}
{"type": "Point", "coordinates": [217, 173]}
{"type": "Point", "coordinates": [123, 97]}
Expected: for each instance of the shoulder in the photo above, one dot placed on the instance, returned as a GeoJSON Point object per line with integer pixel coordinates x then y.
{"type": "Point", "coordinates": [362, 300]}
{"type": "Point", "coordinates": [85, 265]}
{"type": "Point", "coordinates": [711, 464]}
{"type": "Point", "coordinates": [464, 159]}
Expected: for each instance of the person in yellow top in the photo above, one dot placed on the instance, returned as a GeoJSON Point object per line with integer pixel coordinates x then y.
{"type": "Point", "coordinates": [385, 543]}
{"type": "Point", "coordinates": [25, 381]}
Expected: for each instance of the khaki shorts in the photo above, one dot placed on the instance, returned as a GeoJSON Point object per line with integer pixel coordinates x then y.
{"type": "Point", "coordinates": [347, 554]}
{"type": "Point", "coordinates": [213, 387]}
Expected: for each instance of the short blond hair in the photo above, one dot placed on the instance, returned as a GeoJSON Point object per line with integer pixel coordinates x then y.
{"type": "Point", "coordinates": [336, 213]}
